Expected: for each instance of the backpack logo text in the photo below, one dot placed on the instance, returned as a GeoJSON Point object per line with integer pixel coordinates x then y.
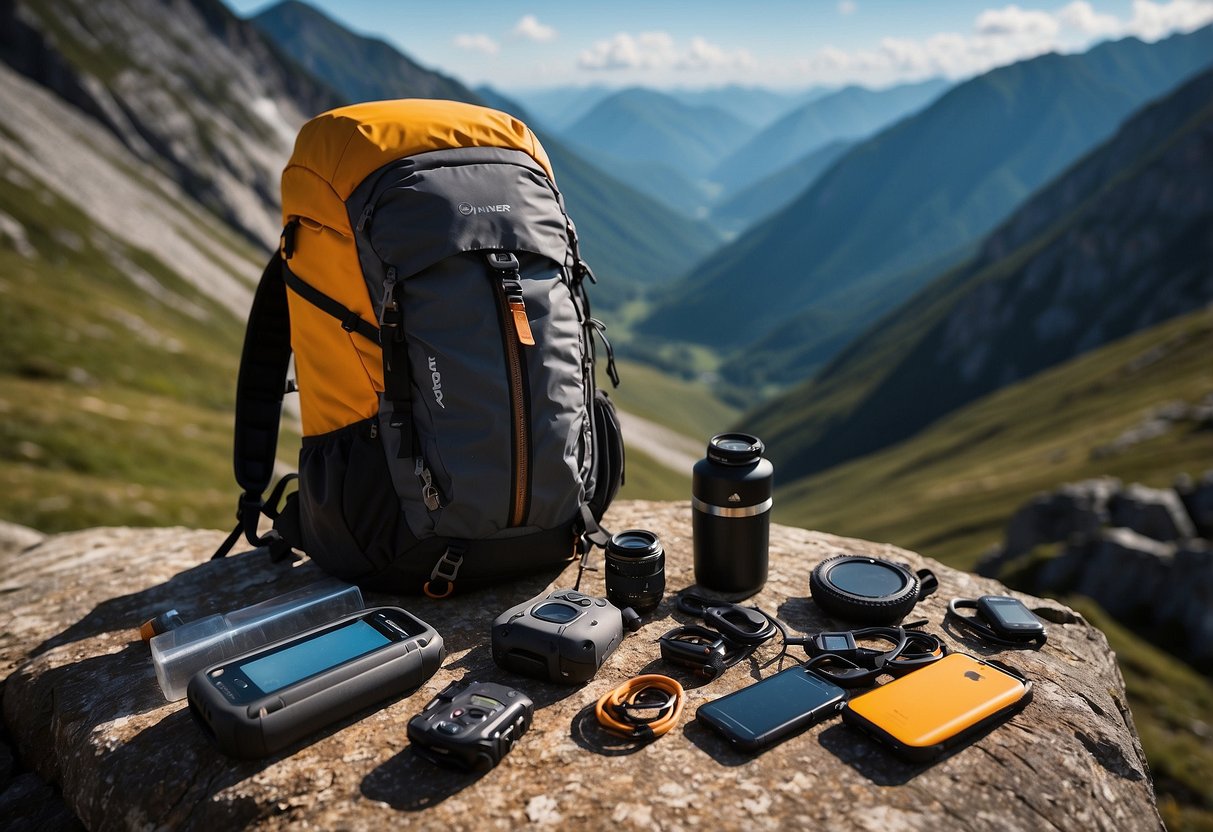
{"type": "Point", "coordinates": [467, 209]}
{"type": "Point", "coordinates": [436, 378]}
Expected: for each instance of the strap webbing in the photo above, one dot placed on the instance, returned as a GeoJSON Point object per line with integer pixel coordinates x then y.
{"type": "Point", "coordinates": [262, 380]}
{"type": "Point", "coordinates": [350, 321]}
{"type": "Point", "coordinates": [260, 386]}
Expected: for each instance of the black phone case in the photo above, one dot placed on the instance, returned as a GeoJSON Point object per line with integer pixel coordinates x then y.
{"type": "Point", "coordinates": [769, 738]}
{"type": "Point", "coordinates": [276, 720]}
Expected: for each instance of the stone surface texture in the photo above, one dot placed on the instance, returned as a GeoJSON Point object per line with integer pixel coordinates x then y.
{"type": "Point", "coordinates": [84, 714]}
{"type": "Point", "coordinates": [1145, 555]}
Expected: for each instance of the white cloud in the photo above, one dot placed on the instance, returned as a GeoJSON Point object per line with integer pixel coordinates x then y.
{"type": "Point", "coordinates": [477, 43]}
{"type": "Point", "coordinates": [705, 55]}
{"type": "Point", "coordinates": [847, 7]}
{"type": "Point", "coordinates": [1002, 36]}
{"type": "Point", "coordinates": [1081, 17]}
{"type": "Point", "coordinates": [1152, 21]}
{"type": "Point", "coordinates": [647, 50]}
{"type": "Point", "coordinates": [657, 50]}
{"type": "Point", "coordinates": [530, 28]}
{"type": "Point", "coordinates": [1013, 21]}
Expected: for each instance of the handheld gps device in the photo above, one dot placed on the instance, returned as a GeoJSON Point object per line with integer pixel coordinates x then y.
{"type": "Point", "coordinates": [1001, 620]}
{"type": "Point", "coordinates": [266, 699]}
{"type": "Point", "coordinates": [563, 636]}
{"type": "Point", "coordinates": [471, 725]}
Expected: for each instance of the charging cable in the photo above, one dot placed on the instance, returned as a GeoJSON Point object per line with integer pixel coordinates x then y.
{"type": "Point", "coordinates": [618, 711]}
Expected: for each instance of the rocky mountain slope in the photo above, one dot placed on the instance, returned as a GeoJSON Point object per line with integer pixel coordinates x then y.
{"type": "Point", "coordinates": [190, 90]}
{"type": "Point", "coordinates": [361, 68]}
{"type": "Point", "coordinates": [1121, 241]}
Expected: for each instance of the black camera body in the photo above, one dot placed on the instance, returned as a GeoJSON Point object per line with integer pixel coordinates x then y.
{"type": "Point", "coordinates": [563, 636]}
{"type": "Point", "coordinates": [471, 725]}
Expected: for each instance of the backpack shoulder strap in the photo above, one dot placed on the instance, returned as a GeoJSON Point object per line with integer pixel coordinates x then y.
{"type": "Point", "coordinates": [260, 387]}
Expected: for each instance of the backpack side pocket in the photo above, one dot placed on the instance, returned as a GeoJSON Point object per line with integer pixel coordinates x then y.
{"type": "Point", "coordinates": [608, 454]}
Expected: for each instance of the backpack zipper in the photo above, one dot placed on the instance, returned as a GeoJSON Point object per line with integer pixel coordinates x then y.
{"type": "Point", "coordinates": [515, 330]}
{"type": "Point", "coordinates": [389, 319]}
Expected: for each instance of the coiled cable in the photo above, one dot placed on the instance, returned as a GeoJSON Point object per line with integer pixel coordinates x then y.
{"type": "Point", "coordinates": [618, 710]}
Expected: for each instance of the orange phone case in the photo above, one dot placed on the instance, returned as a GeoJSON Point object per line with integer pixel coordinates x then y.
{"type": "Point", "coordinates": [924, 713]}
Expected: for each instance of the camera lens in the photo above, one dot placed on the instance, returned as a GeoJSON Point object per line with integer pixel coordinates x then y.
{"type": "Point", "coordinates": [635, 570]}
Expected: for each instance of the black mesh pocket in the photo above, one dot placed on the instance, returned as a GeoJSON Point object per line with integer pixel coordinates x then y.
{"type": "Point", "coordinates": [349, 514]}
{"type": "Point", "coordinates": [608, 454]}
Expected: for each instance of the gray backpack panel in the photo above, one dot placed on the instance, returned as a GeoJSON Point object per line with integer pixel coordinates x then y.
{"type": "Point", "coordinates": [425, 226]}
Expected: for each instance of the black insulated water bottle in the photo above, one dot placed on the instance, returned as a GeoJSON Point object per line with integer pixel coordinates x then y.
{"type": "Point", "coordinates": [731, 515]}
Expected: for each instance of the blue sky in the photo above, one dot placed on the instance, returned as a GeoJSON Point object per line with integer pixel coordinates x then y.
{"type": "Point", "coordinates": [777, 43]}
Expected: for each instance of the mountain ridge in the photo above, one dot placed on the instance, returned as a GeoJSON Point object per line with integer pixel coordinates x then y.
{"type": "Point", "coordinates": [846, 114]}
{"type": "Point", "coordinates": [643, 125]}
{"type": "Point", "coordinates": [1118, 242]}
{"type": "Point", "coordinates": [870, 220]}
{"type": "Point", "coordinates": [349, 61]}
{"type": "Point", "coordinates": [629, 238]}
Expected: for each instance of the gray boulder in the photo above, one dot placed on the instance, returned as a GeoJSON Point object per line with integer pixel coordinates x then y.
{"type": "Point", "coordinates": [1157, 513]}
{"type": "Point", "coordinates": [86, 716]}
{"type": "Point", "coordinates": [1197, 498]}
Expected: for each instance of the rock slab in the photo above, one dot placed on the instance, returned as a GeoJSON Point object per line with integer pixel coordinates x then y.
{"type": "Point", "coordinates": [85, 714]}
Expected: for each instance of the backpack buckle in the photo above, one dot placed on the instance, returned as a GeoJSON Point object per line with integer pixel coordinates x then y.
{"type": "Point", "coordinates": [503, 261]}
{"type": "Point", "coordinates": [446, 569]}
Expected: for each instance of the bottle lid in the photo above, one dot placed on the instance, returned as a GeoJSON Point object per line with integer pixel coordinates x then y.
{"type": "Point", "coordinates": [735, 449]}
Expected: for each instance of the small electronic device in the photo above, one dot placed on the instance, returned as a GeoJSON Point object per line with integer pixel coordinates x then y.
{"type": "Point", "coordinates": [776, 707]}
{"type": "Point", "coordinates": [471, 725]}
{"type": "Point", "coordinates": [262, 701]}
{"type": "Point", "coordinates": [924, 713]}
{"type": "Point", "coordinates": [1001, 620]}
{"type": "Point", "coordinates": [703, 650]}
{"type": "Point", "coordinates": [563, 636]}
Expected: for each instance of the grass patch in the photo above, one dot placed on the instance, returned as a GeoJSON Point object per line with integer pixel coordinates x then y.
{"type": "Point", "coordinates": [684, 406]}
{"type": "Point", "coordinates": [117, 380]}
{"type": "Point", "coordinates": [949, 491]}
{"type": "Point", "coordinates": [649, 480]}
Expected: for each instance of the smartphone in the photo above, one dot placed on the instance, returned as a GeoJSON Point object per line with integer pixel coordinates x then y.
{"type": "Point", "coordinates": [266, 699]}
{"type": "Point", "coordinates": [924, 713]}
{"type": "Point", "coordinates": [776, 707]}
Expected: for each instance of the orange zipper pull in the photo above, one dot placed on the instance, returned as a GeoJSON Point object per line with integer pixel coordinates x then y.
{"type": "Point", "coordinates": [506, 264]}
{"type": "Point", "coordinates": [521, 324]}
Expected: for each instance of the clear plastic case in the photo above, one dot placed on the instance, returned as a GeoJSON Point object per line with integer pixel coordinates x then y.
{"type": "Point", "coordinates": [181, 652]}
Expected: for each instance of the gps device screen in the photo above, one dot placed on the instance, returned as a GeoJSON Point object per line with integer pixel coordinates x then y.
{"type": "Point", "coordinates": [1011, 612]}
{"type": "Point", "coordinates": [307, 658]}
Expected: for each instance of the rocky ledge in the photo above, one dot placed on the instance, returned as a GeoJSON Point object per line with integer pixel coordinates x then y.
{"type": "Point", "coordinates": [86, 717]}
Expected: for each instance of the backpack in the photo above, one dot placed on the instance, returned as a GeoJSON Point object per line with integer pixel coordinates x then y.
{"type": "Point", "coordinates": [429, 285]}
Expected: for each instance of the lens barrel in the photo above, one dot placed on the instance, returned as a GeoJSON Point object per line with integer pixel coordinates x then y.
{"type": "Point", "coordinates": [635, 570]}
